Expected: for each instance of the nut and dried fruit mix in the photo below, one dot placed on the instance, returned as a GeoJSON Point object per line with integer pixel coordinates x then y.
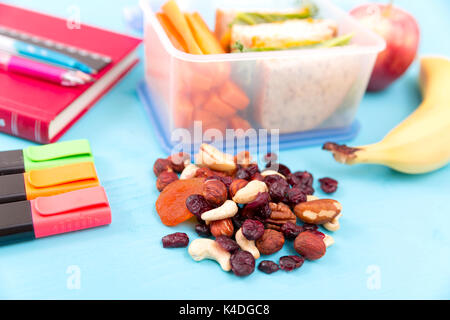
{"type": "Point", "coordinates": [244, 212]}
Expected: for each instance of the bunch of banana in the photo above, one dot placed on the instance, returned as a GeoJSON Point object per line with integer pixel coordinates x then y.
{"type": "Point", "coordinates": [419, 144]}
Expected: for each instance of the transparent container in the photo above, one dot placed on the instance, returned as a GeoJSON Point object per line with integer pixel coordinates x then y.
{"type": "Point", "coordinates": [290, 92]}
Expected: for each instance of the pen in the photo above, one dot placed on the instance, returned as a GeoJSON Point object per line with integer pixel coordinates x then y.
{"type": "Point", "coordinates": [47, 182]}
{"type": "Point", "coordinates": [46, 156]}
{"type": "Point", "coordinates": [43, 71]}
{"type": "Point", "coordinates": [34, 51]}
{"type": "Point", "coordinates": [47, 216]}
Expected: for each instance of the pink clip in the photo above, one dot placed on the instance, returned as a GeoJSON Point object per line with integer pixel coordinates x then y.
{"type": "Point", "coordinates": [72, 211]}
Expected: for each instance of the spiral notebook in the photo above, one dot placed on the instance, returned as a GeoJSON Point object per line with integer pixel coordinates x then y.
{"type": "Point", "coordinates": [41, 111]}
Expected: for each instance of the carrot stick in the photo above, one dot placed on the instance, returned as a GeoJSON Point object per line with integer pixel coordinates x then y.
{"type": "Point", "coordinates": [220, 108]}
{"type": "Point", "coordinates": [171, 32]}
{"type": "Point", "coordinates": [204, 36]}
{"type": "Point", "coordinates": [183, 112]}
{"type": "Point", "coordinates": [196, 81]}
{"type": "Point", "coordinates": [171, 9]}
{"type": "Point", "coordinates": [230, 93]}
{"type": "Point", "coordinates": [225, 41]}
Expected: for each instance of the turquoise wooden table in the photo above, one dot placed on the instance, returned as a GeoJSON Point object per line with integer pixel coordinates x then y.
{"type": "Point", "coordinates": [395, 237]}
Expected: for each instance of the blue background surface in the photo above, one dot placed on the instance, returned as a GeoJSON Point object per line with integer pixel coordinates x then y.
{"type": "Point", "coordinates": [395, 227]}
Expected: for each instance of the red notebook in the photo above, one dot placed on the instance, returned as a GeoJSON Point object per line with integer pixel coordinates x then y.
{"type": "Point", "coordinates": [42, 111]}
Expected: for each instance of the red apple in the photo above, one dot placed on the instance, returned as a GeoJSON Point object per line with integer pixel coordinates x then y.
{"type": "Point", "coordinates": [401, 32]}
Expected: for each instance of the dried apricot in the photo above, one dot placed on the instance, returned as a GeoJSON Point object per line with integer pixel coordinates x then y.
{"type": "Point", "coordinates": [171, 203]}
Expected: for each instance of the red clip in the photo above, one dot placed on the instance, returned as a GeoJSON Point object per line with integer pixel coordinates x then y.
{"type": "Point", "coordinates": [72, 211]}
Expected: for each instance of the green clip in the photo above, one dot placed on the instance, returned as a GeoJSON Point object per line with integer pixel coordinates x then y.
{"type": "Point", "coordinates": [57, 154]}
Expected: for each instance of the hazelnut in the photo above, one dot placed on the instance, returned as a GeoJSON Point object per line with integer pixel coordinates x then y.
{"type": "Point", "coordinates": [178, 161]}
{"type": "Point", "coordinates": [310, 245]}
{"type": "Point", "coordinates": [204, 172]}
{"type": "Point", "coordinates": [215, 192]}
{"type": "Point", "coordinates": [161, 165]}
{"type": "Point", "coordinates": [272, 241]}
{"type": "Point", "coordinates": [164, 179]}
{"type": "Point", "coordinates": [222, 228]}
{"type": "Point", "coordinates": [236, 185]}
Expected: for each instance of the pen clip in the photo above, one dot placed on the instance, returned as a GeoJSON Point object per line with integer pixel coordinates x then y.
{"type": "Point", "coordinates": [62, 175]}
{"type": "Point", "coordinates": [71, 202]}
{"type": "Point", "coordinates": [58, 150]}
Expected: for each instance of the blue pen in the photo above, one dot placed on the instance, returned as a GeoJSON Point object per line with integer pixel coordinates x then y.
{"type": "Point", "coordinates": [27, 49]}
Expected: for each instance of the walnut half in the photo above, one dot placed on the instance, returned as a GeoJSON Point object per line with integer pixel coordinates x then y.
{"type": "Point", "coordinates": [281, 213]}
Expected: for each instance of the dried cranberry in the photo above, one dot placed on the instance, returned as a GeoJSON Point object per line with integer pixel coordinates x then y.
{"type": "Point", "coordinates": [278, 190]}
{"type": "Point", "coordinates": [272, 179]}
{"type": "Point", "coordinates": [252, 169]}
{"type": "Point", "coordinates": [227, 244]}
{"type": "Point", "coordinates": [270, 157]}
{"type": "Point", "coordinates": [310, 226]}
{"type": "Point", "coordinates": [175, 240]}
{"type": "Point", "coordinates": [257, 176]}
{"type": "Point", "coordinates": [300, 178]}
{"type": "Point", "coordinates": [226, 181]}
{"type": "Point", "coordinates": [258, 207]}
{"type": "Point", "coordinates": [252, 229]}
{"type": "Point", "coordinates": [328, 185]}
{"type": "Point", "coordinates": [268, 266]}
{"type": "Point", "coordinates": [242, 263]}
{"type": "Point", "coordinates": [203, 230]}
{"type": "Point", "coordinates": [281, 168]}
{"type": "Point", "coordinates": [197, 205]}
{"type": "Point", "coordinates": [264, 212]}
{"type": "Point", "coordinates": [284, 170]}
{"type": "Point", "coordinates": [238, 220]}
{"type": "Point", "coordinates": [307, 189]}
{"type": "Point", "coordinates": [289, 263]}
{"type": "Point", "coordinates": [296, 195]}
{"type": "Point", "coordinates": [291, 230]}
{"type": "Point", "coordinates": [242, 173]}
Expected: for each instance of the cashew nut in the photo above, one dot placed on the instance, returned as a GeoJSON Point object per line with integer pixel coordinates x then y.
{"type": "Point", "coordinates": [247, 245]}
{"type": "Point", "coordinates": [328, 240]}
{"type": "Point", "coordinates": [200, 249]}
{"type": "Point", "coordinates": [214, 159]}
{"type": "Point", "coordinates": [249, 192]}
{"type": "Point", "coordinates": [227, 210]}
{"type": "Point", "coordinates": [189, 172]}
{"type": "Point", "coordinates": [266, 173]}
{"type": "Point", "coordinates": [333, 225]}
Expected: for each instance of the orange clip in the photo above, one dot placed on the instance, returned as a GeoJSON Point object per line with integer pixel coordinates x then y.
{"type": "Point", "coordinates": [53, 181]}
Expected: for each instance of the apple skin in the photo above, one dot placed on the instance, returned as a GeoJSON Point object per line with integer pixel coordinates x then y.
{"type": "Point", "coordinates": [402, 35]}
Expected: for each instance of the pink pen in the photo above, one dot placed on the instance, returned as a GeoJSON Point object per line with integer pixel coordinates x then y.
{"type": "Point", "coordinates": [43, 71]}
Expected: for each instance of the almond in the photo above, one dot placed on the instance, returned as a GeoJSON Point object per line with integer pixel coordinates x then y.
{"type": "Point", "coordinates": [318, 211]}
{"type": "Point", "coordinates": [237, 185]}
{"type": "Point", "coordinates": [222, 228]}
{"type": "Point", "coordinates": [310, 245]}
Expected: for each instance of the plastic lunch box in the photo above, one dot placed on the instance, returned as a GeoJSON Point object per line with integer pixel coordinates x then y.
{"type": "Point", "coordinates": [303, 96]}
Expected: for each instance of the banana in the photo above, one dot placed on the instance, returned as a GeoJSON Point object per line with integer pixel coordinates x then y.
{"type": "Point", "coordinates": [421, 143]}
